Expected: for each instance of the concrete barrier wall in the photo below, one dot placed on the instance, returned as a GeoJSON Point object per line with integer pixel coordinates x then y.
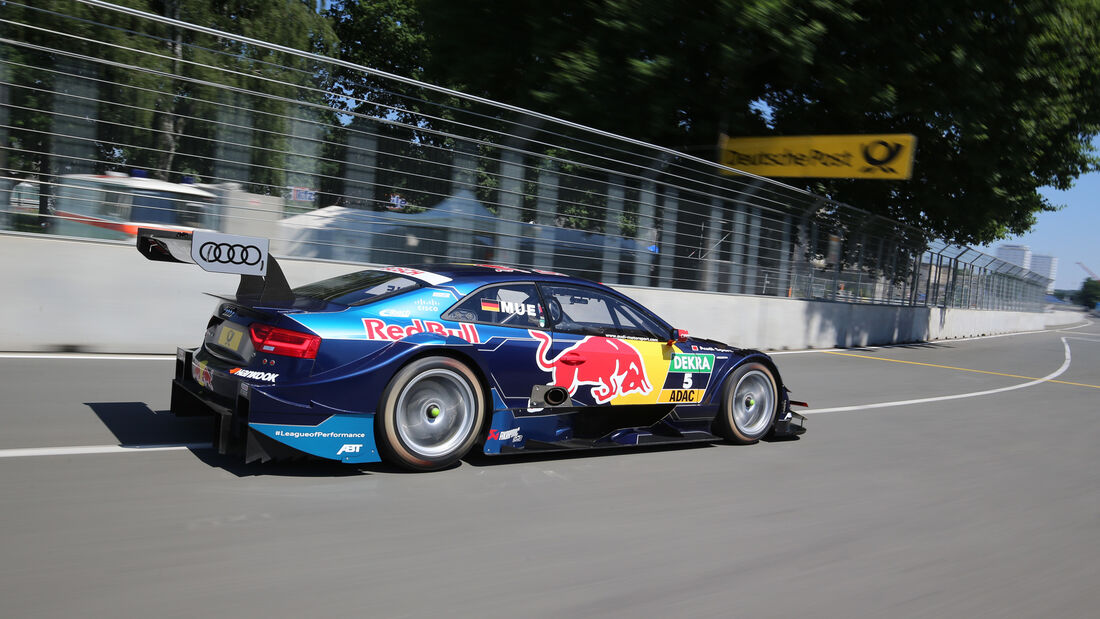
{"type": "Point", "coordinates": [68, 294]}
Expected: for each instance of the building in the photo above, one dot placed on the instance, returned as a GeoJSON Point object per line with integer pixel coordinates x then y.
{"type": "Point", "coordinates": [1047, 266]}
{"type": "Point", "coordinates": [1020, 255]}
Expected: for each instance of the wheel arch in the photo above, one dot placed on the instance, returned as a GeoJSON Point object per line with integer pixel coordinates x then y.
{"type": "Point", "coordinates": [458, 355]}
{"type": "Point", "coordinates": [754, 357]}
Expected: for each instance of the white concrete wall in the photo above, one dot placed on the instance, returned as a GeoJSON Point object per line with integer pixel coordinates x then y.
{"type": "Point", "coordinates": [66, 294]}
{"type": "Point", "coordinates": [780, 324]}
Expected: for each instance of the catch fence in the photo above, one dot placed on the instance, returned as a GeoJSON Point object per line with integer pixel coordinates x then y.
{"type": "Point", "coordinates": [112, 118]}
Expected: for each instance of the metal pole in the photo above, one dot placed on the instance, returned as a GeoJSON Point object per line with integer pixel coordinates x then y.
{"type": "Point", "coordinates": [613, 231]}
{"type": "Point", "coordinates": [668, 237]}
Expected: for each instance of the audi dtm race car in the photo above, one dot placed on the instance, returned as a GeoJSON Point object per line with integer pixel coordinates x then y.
{"type": "Point", "coordinates": [417, 365]}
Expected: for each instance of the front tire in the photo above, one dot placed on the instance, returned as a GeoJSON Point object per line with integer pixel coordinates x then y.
{"type": "Point", "coordinates": [749, 404]}
{"type": "Point", "coordinates": [430, 414]}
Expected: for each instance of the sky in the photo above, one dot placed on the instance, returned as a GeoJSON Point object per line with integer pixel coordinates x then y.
{"type": "Point", "coordinates": [1071, 234]}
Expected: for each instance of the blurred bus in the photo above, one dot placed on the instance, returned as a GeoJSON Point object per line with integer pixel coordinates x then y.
{"type": "Point", "coordinates": [19, 204]}
{"type": "Point", "coordinates": [114, 206]}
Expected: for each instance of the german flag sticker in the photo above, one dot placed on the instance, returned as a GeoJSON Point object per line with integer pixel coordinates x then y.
{"type": "Point", "coordinates": [490, 306]}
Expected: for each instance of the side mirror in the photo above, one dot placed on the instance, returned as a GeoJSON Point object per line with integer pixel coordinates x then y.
{"type": "Point", "coordinates": [677, 335]}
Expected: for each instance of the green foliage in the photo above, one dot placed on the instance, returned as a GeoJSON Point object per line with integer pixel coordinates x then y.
{"type": "Point", "coordinates": [1003, 97]}
{"type": "Point", "coordinates": [1089, 294]}
{"type": "Point", "coordinates": [162, 111]}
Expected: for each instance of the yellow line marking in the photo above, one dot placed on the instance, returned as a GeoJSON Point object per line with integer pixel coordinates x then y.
{"type": "Point", "coordinates": [951, 367]}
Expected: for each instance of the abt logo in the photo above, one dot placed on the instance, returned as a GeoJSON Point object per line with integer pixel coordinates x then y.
{"type": "Point", "coordinates": [349, 449]}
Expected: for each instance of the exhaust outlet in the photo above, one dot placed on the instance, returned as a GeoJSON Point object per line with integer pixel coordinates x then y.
{"type": "Point", "coordinates": [549, 396]}
{"type": "Point", "coordinates": [555, 396]}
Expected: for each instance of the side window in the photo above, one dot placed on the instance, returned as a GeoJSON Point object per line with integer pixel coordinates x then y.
{"type": "Point", "coordinates": [511, 305]}
{"type": "Point", "coordinates": [576, 309]}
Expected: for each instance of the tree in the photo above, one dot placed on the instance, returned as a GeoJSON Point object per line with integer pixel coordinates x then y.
{"type": "Point", "coordinates": [1089, 295]}
{"type": "Point", "coordinates": [1003, 97]}
{"type": "Point", "coordinates": [161, 114]}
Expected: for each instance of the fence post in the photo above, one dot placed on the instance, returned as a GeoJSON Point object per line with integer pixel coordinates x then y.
{"type": "Point", "coordinates": [783, 281]}
{"type": "Point", "coordinates": [546, 209]}
{"type": "Point", "coordinates": [304, 153]}
{"type": "Point", "coordinates": [737, 250]}
{"type": "Point", "coordinates": [234, 146]}
{"type": "Point", "coordinates": [463, 180]}
{"type": "Point", "coordinates": [647, 232]}
{"type": "Point", "coordinates": [511, 198]}
{"type": "Point", "coordinates": [668, 242]}
{"type": "Point", "coordinates": [613, 229]}
{"type": "Point", "coordinates": [5, 101]}
{"type": "Point", "coordinates": [752, 262]}
{"type": "Point", "coordinates": [713, 254]}
{"type": "Point", "coordinates": [74, 120]}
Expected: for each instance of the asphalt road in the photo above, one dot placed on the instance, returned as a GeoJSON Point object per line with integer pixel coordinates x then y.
{"type": "Point", "coordinates": [936, 480]}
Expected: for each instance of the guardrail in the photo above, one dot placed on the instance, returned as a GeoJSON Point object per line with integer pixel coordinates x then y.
{"type": "Point", "coordinates": [337, 161]}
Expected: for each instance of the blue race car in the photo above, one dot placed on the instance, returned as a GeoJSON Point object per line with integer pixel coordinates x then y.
{"type": "Point", "coordinates": [417, 365]}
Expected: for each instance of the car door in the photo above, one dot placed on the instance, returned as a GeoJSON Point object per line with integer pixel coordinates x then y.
{"type": "Point", "coordinates": [505, 315]}
{"type": "Point", "coordinates": [602, 349]}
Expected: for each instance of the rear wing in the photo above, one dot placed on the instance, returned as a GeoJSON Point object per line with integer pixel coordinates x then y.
{"type": "Point", "coordinates": [215, 252]}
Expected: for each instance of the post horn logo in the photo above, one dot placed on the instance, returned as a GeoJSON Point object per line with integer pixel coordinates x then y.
{"type": "Point", "coordinates": [880, 154]}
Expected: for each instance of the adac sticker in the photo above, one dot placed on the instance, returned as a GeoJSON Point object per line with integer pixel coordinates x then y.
{"type": "Point", "coordinates": [682, 396]}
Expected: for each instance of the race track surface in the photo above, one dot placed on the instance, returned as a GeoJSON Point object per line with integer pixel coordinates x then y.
{"type": "Point", "coordinates": [950, 479]}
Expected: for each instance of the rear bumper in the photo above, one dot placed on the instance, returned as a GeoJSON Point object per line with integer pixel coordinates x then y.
{"type": "Point", "coordinates": [265, 435]}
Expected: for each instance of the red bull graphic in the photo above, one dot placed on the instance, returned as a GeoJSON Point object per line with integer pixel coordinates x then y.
{"type": "Point", "coordinates": [381, 330]}
{"type": "Point", "coordinates": [613, 367]}
{"type": "Point", "coordinates": [202, 374]}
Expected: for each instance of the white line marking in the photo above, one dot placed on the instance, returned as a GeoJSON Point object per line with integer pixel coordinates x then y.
{"type": "Point", "coordinates": [974, 394]}
{"type": "Point", "coordinates": [93, 357]}
{"type": "Point", "coordinates": [97, 449]}
{"type": "Point", "coordinates": [1087, 323]}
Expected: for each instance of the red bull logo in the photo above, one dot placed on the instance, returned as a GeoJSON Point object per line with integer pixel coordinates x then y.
{"type": "Point", "coordinates": [381, 330]}
{"type": "Point", "coordinates": [611, 366]}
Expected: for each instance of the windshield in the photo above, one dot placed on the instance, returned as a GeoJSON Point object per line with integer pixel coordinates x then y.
{"type": "Point", "coordinates": [356, 288]}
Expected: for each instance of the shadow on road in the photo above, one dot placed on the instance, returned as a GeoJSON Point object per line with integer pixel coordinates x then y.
{"type": "Point", "coordinates": [306, 467]}
{"type": "Point", "coordinates": [135, 424]}
{"type": "Point", "coordinates": [481, 460]}
{"type": "Point", "coordinates": [911, 345]}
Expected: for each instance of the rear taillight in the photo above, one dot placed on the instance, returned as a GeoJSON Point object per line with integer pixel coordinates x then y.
{"type": "Point", "coordinates": [276, 341]}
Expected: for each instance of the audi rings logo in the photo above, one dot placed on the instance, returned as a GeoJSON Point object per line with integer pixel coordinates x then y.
{"type": "Point", "coordinates": [231, 253]}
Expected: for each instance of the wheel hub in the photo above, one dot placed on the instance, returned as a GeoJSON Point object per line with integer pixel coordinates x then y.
{"type": "Point", "coordinates": [433, 411]}
{"type": "Point", "coordinates": [754, 402]}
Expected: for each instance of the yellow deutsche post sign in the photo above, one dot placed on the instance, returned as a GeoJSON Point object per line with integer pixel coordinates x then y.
{"type": "Point", "coordinates": [822, 156]}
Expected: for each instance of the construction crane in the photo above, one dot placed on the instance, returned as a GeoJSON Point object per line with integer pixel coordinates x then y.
{"type": "Point", "coordinates": [1092, 275]}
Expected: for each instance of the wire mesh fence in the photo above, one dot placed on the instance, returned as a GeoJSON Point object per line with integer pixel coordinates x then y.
{"type": "Point", "coordinates": [113, 118]}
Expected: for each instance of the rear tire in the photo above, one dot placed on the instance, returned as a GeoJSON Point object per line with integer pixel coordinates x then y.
{"type": "Point", "coordinates": [750, 400]}
{"type": "Point", "coordinates": [430, 414]}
